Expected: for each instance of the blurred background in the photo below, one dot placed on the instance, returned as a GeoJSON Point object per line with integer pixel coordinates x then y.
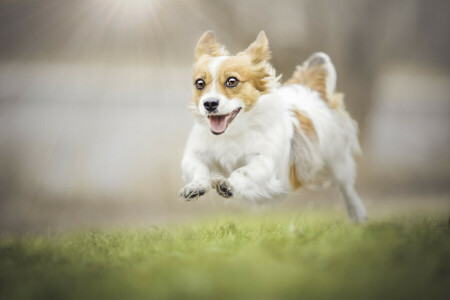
{"type": "Point", "coordinates": [93, 97]}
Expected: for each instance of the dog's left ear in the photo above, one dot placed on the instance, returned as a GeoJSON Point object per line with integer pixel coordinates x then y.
{"type": "Point", "coordinates": [207, 45]}
{"type": "Point", "coordinates": [259, 49]}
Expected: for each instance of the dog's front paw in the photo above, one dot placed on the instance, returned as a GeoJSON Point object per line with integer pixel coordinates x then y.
{"type": "Point", "coordinates": [193, 191]}
{"type": "Point", "coordinates": [222, 187]}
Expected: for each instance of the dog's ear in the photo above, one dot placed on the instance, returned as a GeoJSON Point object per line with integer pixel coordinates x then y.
{"type": "Point", "coordinates": [259, 49]}
{"type": "Point", "coordinates": [207, 45]}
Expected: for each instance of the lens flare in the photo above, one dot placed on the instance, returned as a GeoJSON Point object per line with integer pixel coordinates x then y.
{"type": "Point", "coordinates": [129, 13]}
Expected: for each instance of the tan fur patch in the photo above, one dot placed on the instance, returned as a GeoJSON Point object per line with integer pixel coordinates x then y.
{"type": "Point", "coordinates": [201, 70]}
{"type": "Point", "coordinates": [253, 79]}
{"type": "Point", "coordinates": [258, 51]}
{"type": "Point", "coordinates": [337, 101]}
{"type": "Point", "coordinates": [306, 125]}
{"type": "Point", "coordinates": [315, 78]}
{"type": "Point", "coordinates": [295, 183]}
{"type": "Point", "coordinates": [207, 45]}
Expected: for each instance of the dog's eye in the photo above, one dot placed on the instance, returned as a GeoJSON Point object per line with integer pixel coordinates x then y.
{"type": "Point", "coordinates": [232, 82]}
{"type": "Point", "coordinates": [200, 84]}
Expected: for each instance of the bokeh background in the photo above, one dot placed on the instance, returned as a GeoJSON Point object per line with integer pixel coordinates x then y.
{"type": "Point", "coordinates": [93, 97]}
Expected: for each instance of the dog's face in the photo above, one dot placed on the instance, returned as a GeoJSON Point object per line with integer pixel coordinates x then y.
{"type": "Point", "coordinates": [226, 87]}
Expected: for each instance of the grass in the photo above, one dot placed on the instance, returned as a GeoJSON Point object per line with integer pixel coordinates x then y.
{"type": "Point", "coordinates": [261, 257]}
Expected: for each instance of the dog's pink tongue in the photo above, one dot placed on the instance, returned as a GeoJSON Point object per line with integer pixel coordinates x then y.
{"type": "Point", "coordinates": [218, 124]}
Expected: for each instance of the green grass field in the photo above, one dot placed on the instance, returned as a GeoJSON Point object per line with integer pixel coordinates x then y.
{"type": "Point", "coordinates": [259, 257]}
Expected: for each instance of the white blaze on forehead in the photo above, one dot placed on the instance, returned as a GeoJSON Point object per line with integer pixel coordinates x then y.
{"type": "Point", "coordinates": [213, 67]}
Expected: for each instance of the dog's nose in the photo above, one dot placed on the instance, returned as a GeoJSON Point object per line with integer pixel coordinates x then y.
{"type": "Point", "coordinates": [211, 104]}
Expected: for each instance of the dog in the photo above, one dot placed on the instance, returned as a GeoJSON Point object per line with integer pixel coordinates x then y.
{"type": "Point", "coordinates": [257, 139]}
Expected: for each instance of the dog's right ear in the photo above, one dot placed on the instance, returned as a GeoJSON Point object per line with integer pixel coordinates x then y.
{"type": "Point", "coordinates": [207, 45]}
{"type": "Point", "coordinates": [259, 49]}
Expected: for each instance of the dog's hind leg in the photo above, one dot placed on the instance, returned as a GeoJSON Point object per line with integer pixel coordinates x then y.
{"type": "Point", "coordinates": [343, 173]}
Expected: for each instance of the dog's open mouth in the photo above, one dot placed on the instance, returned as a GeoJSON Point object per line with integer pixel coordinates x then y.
{"type": "Point", "coordinates": [219, 123]}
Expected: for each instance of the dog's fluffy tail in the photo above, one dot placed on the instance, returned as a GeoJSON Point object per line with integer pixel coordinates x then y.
{"type": "Point", "coordinates": [318, 73]}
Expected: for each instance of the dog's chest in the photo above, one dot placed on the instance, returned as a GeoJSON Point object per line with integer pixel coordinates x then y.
{"type": "Point", "coordinates": [227, 157]}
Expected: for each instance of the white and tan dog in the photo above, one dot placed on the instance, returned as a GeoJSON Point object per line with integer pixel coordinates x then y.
{"type": "Point", "coordinates": [256, 140]}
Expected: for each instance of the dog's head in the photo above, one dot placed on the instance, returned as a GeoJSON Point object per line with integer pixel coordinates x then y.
{"type": "Point", "coordinates": [227, 86]}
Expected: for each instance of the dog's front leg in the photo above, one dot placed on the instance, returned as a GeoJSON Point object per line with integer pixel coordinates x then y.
{"type": "Point", "coordinates": [255, 181]}
{"type": "Point", "coordinates": [196, 175]}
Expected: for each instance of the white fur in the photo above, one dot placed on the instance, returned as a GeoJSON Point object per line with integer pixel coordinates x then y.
{"type": "Point", "coordinates": [255, 152]}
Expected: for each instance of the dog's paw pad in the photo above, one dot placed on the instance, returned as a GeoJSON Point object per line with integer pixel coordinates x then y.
{"type": "Point", "coordinates": [192, 192]}
{"type": "Point", "coordinates": [222, 187]}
